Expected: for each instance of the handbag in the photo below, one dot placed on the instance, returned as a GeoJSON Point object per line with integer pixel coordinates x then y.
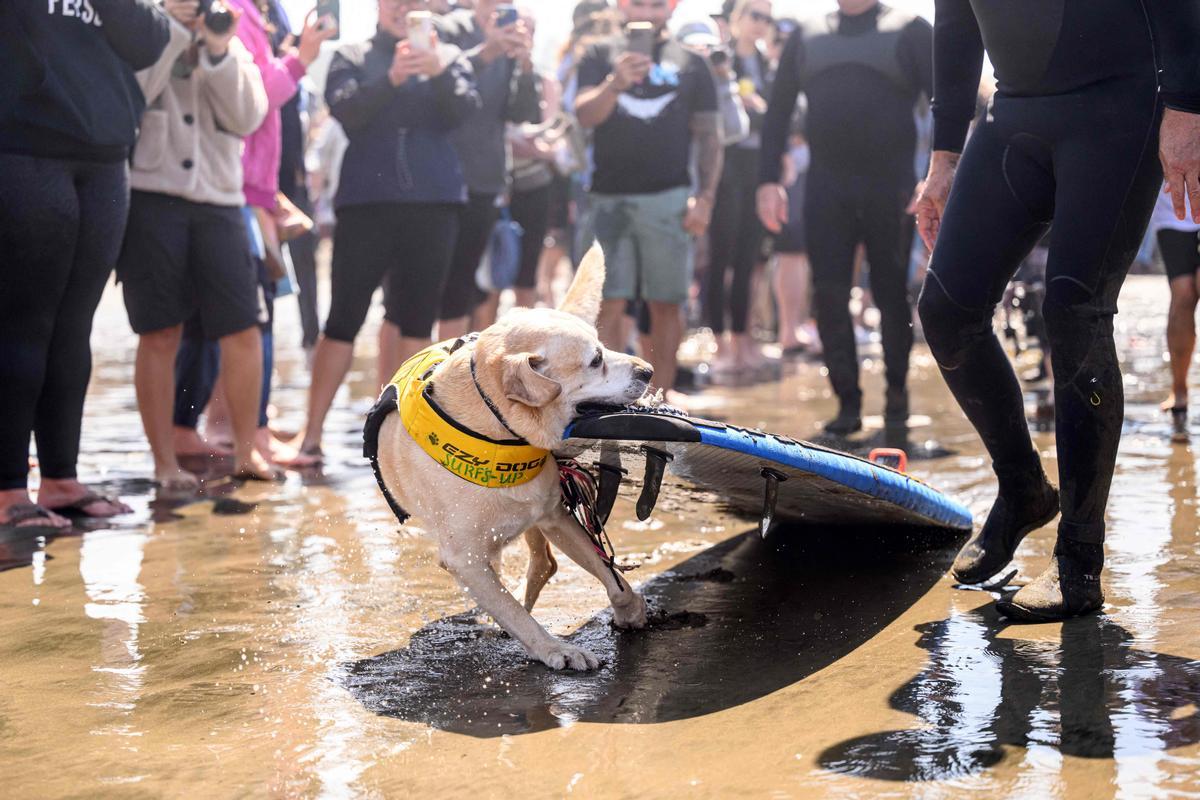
{"type": "Point", "coordinates": [501, 262]}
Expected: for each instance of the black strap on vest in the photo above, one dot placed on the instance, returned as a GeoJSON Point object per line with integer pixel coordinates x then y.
{"type": "Point", "coordinates": [375, 417]}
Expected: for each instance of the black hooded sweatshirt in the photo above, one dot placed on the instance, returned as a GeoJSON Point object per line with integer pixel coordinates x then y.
{"type": "Point", "coordinates": [67, 88]}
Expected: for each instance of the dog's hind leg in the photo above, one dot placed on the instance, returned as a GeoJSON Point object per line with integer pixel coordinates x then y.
{"type": "Point", "coordinates": [542, 566]}
{"type": "Point", "coordinates": [484, 584]}
{"type": "Point", "coordinates": [629, 608]}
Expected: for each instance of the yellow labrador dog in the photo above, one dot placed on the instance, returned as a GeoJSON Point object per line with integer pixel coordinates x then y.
{"type": "Point", "coordinates": [523, 377]}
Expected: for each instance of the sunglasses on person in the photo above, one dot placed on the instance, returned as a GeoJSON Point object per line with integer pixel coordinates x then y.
{"type": "Point", "coordinates": [758, 16]}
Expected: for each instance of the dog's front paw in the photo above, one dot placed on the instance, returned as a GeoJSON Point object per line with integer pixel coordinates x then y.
{"type": "Point", "coordinates": [631, 613]}
{"type": "Point", "coordinates": [557, 654]}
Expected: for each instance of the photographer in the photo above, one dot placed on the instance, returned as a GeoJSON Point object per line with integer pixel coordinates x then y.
{"type": "Point", "coordinates": [69, 108]}
{"type": "Point", "coordinates": [399, 194]}
{"type": "Point", "coordinates": [186, 248]}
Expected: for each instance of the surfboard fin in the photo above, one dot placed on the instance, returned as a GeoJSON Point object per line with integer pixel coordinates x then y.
{"type": "Point", "coordinates": [771, 480]}
{"type": "Point", "coordinates": [611, 473]}
{"type": "Point", "coordinates": [656, 466]}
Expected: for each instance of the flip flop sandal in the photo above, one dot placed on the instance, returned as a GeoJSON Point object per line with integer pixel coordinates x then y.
{"type": "Point", "coordinates": [24, 512]}
{"type": "Point", "coordinates": [78, 508]}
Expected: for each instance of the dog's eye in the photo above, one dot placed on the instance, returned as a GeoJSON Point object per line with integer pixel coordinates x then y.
{"type": "Point", "coordinates": [597, 361]}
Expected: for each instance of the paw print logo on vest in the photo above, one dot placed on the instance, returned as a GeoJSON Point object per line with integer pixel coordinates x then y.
{"type": "Point", "coordinates": [433, 439]}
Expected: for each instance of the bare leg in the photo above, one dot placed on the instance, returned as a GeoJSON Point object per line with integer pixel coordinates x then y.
{"type": "Point", "coordinates": [241, 368]}
{"type": "Point", "coordinates": [792, 281]}
{"type": "Point", "coordinates": [666, 332]}
{"type": "Point", "coordinates": [330, 365]}
{"type": "Point", "coordinates": [609, 325]}
{"type": "Point", "coordinates": [389, 359]}
{"type": "Point", "coordinates": [542, 566]}
{"type": "Point", "coordinates": [629, 608]}
{"type": "Point", "coordinates": [486, 312]}
{"type": "Point", "coordinates": [475, 573]}
{"type": "Point", "coordinates": [454, 328]}
{"type": "Point", "coordinates": [154, 383]}
{"type": "Point", "coordinates": [1181, 336]}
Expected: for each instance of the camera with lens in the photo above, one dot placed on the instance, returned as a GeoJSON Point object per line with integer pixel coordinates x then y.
{"type": "Point", "coordinates": [217, 17]}
{"type": "Point", "coordinates": [719, 56]}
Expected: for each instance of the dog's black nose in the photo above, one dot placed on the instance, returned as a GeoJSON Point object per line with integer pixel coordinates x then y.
{"type": "Point", "coordinates": [643, 373]}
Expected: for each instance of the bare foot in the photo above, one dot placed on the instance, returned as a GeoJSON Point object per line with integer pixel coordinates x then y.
{"type": "Point", "coordinates": [256, 468]}
{"type": "Point", "coordinates": [189, 442]}
{"type": "Point", "coordinates": [73, 496]}
{"type": "Point", "coordinates": [1174, 401]}
{"type": "Point", "coordinates": [284, 453]}
{"type": "Point", "coordinates": [174, 480]}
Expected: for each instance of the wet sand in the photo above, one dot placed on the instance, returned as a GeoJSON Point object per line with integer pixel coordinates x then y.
{"type": "Point", "coordinates": [291, 641]}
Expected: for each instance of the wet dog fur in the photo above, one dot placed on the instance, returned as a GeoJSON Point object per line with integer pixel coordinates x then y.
{"type": "Point", "coordinates": [537, 365]}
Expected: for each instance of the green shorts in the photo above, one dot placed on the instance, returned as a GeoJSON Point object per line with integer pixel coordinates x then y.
{"type": "Point", "coordinates": [647, 253]}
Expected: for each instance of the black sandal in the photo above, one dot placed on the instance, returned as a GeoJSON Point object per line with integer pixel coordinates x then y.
{"type": "Point", "coordinates": [24, 512]}
{"type": "Point", "coordinates": [78, 508]}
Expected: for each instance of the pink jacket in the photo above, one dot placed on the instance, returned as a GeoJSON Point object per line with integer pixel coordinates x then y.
{"type": "Point", "coordinates": [281, 77]}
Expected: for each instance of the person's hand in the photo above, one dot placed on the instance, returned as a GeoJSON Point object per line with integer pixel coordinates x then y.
{"type": "Point", "coordinates": [518, 42]}
{"type": "Point", "coordinates": [184, 12]}
{"type": "Point", "coordinates": [932, 194]}
{"type": "Point", "coordinates": [217, 44]}
{"type": "Point", "coordinates": [630, 69]}
{"type": "Point", "coordinates": [311, 36]}
{"type": "Point", "coordinates": [698, 216]}
{"type": "Point", "coordinates": [409, 61]}
{"type": "Point", "coordinates": [1179, 152]}
{"type": "Point", "coordinates": [772, 204]}
{"type": "Point", "coordinates": [754, 103]}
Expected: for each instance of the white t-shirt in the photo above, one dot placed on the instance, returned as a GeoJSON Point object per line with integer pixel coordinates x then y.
{"type": "Point", "coordinates": [1164, 216]}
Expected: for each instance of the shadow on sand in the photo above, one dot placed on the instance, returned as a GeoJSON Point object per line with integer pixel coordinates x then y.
{"type": "Point", "coordinates": [729, 625]}
{"type": "Point", "coordinates": [1089, 695]}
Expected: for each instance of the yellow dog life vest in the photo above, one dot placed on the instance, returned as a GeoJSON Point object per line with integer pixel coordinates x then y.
{"type": "Point", "coordinates": [469, 455]}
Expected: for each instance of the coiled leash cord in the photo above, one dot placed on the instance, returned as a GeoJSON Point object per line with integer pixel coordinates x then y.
{"type": "Point", "coordinates": [579, 498]}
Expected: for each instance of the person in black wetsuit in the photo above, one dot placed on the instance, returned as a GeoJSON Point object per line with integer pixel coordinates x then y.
{"type": "Point", "coordinates": [1070, 137]}
{"type": "Point", "coordinates": [862, 70]}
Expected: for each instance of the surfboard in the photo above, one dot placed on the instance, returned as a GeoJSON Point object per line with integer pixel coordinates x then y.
{"type": "Point", "coordinates": [752, 472]}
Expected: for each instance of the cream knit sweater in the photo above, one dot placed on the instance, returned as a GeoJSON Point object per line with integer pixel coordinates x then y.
{"type": "Point", "coordinates": [190, 144]}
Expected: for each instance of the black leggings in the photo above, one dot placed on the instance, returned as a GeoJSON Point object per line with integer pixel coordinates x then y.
{"type": "Point", "coordinates": [735, 242]}
{"type": "Point", "coordinates": [1088, 162]}
{"type": "Point", "coordinates": [460, 294]}
{"type": "Point", "coordinates": [61, 225]}
{"type": "Point", "coordinates": [406, 245]}
{"type": "Point", "coordinates": [839, 212]}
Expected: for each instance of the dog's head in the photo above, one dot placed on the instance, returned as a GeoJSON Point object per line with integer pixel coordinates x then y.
{"type": "Point", "coordinates": [540, 365]}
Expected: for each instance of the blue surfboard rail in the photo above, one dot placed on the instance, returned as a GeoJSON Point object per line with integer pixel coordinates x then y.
{"type": "Point", "coordinates": [854, 473]}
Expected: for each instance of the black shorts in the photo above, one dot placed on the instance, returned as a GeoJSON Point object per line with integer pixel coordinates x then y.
{"type": "Point", "coordinates": [180, 258]}
{"type": "Point", "coordinates": [461, 295]}
{"type": "Point", "coordinates": [1180, 251]}
{"type": "Point", "coordinates": [406, 247]}
{"type": "Point", "coordinates": [792, 239]}
{"type": "Point", "coordinates": [531, 210]}
{"type": "Point", "coordinates": [560, 205]}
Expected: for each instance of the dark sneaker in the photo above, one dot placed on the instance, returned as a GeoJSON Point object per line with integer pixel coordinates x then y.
{"type": "Point", "coordinates": [1009, 521]}
{"type": "Point", "coordinates": [1070, 587]}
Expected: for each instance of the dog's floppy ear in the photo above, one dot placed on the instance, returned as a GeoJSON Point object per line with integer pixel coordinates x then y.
{"type": "Point", "coordinates": [524, 384]}
{"type": "Point", "coordinates": [587, 290]}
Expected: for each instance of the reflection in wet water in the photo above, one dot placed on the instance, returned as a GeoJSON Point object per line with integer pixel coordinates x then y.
{"type": "Point", "coordinates": [1090, 695]}
{"type": "Point", "coordinates": [735, 623]}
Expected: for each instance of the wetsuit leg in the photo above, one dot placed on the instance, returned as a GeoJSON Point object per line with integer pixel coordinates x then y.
{"type": "Point", "coordinates": [831, 223]}
{"type": "Point", "coordinates": [1000, 205]}
{"type": "Point", "coordinates": [884, 226]}
{"type": "Point", "coordinates": [748, 248]}
{"type": "Point", "coordinates": [722, 245]}
{"type": "Point", "coordinates": [39, 223]}
{"type": "Point", "coordinates": [1107, 186]}
{"type": "Point", "coordinates": [103, 192]}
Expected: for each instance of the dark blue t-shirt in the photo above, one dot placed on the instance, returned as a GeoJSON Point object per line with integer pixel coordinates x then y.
{"type": "Point", "coordinates": [645, 145]}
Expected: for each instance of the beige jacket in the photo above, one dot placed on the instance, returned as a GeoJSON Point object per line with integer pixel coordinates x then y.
{"type": "Point", "coordinates": [190, 144]}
